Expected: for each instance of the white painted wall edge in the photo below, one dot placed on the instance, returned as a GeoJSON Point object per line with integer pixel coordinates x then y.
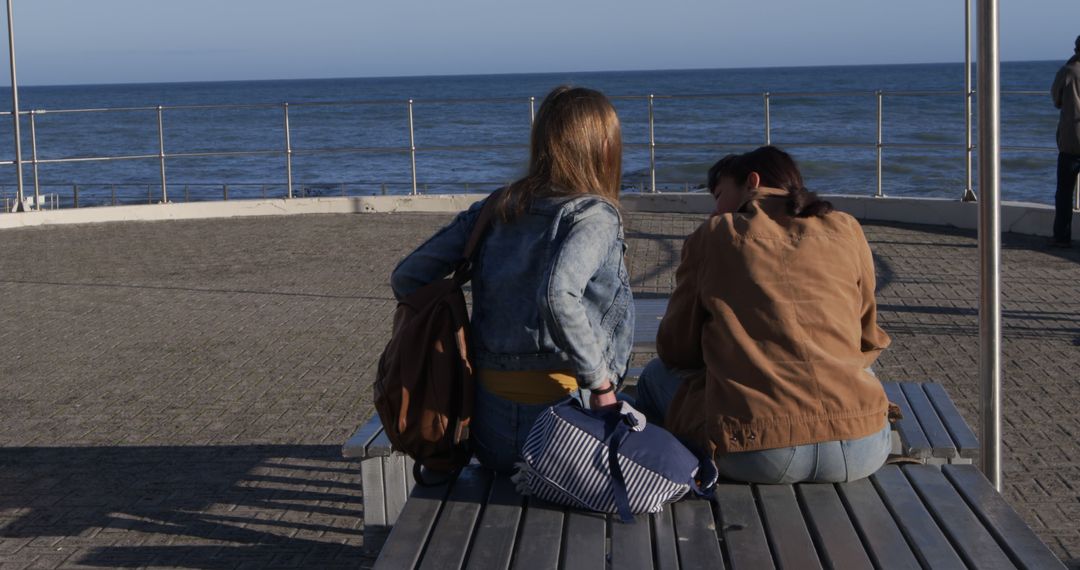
{"type": "Point", "coordinates": [1019, 217]}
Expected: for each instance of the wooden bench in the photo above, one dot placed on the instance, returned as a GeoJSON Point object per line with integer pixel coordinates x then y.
{"type": "Point", "coordinates": [914, 516]}
{"type": "Point", "coordinates": [932, 431]}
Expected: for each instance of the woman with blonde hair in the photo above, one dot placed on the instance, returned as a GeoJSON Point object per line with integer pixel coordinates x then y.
{"type": "Point", "coordinates": [552, 309]}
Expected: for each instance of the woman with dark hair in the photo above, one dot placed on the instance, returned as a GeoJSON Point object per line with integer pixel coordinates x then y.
{"type": "Point", "coordinates": [552, 310]}
{"type": "Point", "coordinates": [765, 347]}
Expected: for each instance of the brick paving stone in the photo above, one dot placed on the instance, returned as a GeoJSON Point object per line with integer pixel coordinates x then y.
{"type": "Point", "coordinates": [176, 393]}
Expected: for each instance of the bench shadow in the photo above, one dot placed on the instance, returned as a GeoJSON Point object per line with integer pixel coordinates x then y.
{"type": "Point", "coordinates": [193, 507]}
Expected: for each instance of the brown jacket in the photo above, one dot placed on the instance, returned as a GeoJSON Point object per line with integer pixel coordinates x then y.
{"type": "Point", "coordinates": [780, 312]}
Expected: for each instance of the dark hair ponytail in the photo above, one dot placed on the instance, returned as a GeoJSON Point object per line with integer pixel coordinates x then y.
{"type": "Point", "coordinates": [777, 170]}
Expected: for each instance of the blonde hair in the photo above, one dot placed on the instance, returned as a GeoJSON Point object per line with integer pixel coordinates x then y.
{"type": "Point", "coordinates": [575, 148]}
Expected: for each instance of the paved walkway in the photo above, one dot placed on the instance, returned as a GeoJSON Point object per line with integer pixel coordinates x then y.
{"type": "Point", "coordinates": [175, 393]}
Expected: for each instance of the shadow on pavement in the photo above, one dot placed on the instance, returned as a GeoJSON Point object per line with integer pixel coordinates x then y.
{"type": "Point", "coordinates": [193, 507]}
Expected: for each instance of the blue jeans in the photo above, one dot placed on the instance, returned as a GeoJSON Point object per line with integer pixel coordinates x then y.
{"type": "Point", "coordinates": [1068, 168]}
{"type": "Point", "coordinates": [825, 462]}
{"type": "Point", "coordinates": [500, 427]}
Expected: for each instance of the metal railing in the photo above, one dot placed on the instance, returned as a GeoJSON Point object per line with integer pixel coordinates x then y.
{"type": "Point", "coordinates": [651, 101]}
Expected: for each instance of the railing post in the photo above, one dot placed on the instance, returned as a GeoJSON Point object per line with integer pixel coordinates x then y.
{"type": "Point", "coordinates": [768, 119]}
{"type": "Point", "coordinates": [75, 194]}
{"type": "Point", "coordinates": [149, 195]}
{"type": "Point", "coordinates": [288, 153]}
{"type": "Point", "coordinates": [880, 110]}
{"type": "Point", "coordinates": [34, 160]}
{"type": "Point", "coordinates": [532, 110]}
{"type": "Point", "coordinates": [652, 148]}
{"type": "Point", "coordinates": [161, 155]}
{"type": "Point", "coordinates": [412, 147]}
{"type": "Point", "coordinates": [225, 192]}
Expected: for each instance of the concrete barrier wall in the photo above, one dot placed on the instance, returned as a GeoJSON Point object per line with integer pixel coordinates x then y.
{"type": "Point", "coordinates": [1019, 217]}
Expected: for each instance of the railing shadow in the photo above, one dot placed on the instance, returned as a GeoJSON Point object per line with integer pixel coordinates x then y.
{"type": "Point", "coordinates": [205, 507]}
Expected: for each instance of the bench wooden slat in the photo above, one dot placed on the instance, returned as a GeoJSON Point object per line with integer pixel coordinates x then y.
{"type": "Point", "coordinates": [741, 528]}
{"type": "Point", "coordinates": [831, 527]}
{"type": "Point", "coordinates": [648, 312]}
{"type": "Point", "coordinates": [912, 437]}
{"type": "Point", "coordinates": [665, 553]}
{"type": "Point", "coordinates": [544, 526]}
{"type": "Point", "coordinates": [1011, 532]}
{"type": "Point", "coordinates": [972, 540]}
{"type": "Point", "coordinates": [941, 443]}
{"type": "Point", "coordinates": [395, 484]}
{"type": "Point", "coordinates": [371, 480]}
{"type": "Point", "coordinates": [631, 544]}
{"type": "Point", "coordinates": [403, 547]}
{"type": "Point", "coordinates": [356, 446]}
{"type": "Point", "coordinates": [449, 540]}
{"type": "Point", "coordinates": [498, 527]}
{"type": "Point", "coordinates": [585, 541]}
{"type": "Point", "coordinates": [966, 442]}
{"type": "Point", "coordinates": [410, 482]}
{"type": "Point", "coordinates": [927, 541]}
{"type": "Point", "coordinates": [884, 542]}
{"type": "Point", "coordinates": [784, 525]}
{"type": "Point", "coordinates": [695, 534]}
{"type": "Point", "coordinates": [379, 445]}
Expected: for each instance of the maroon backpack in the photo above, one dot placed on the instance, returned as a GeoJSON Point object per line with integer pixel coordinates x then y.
{"type": "Point", "coordinates": [425, 383]}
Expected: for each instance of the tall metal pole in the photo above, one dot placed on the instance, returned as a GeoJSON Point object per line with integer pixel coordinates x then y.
{"type": "Point", "coordinates": [989, 149]}
{"type": "Point", "coordinates": [969, 193]}
{"type": "Point", "coordinates": [20, 204]}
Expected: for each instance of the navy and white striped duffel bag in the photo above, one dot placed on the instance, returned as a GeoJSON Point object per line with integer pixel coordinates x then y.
{"type": "Point", "coordinates": [608, 461]}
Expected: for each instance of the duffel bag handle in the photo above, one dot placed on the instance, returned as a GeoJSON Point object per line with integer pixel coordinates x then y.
{"type": "Point", "coordinates": [618, 482]}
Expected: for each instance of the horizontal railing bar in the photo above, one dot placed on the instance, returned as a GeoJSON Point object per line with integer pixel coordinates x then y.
{"type": "Point", "coordinates": [458, 148]}
{"type": "Point", "coordinates": [209, 153]}
{"type": "Point", "coordinates": [407, 149]}
{"type": "Point", "coordinates": [1029, 148]}
{"type": "Point", "coordinates": [92, 186]}
{"type": "Point", "coordinates": [506, 100]}
{"type": "Point", "coordinates": [92, 159]}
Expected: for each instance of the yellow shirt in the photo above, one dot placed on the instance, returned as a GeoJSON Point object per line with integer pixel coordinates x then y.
{"type": "Point", "coordinates": [529, 386]}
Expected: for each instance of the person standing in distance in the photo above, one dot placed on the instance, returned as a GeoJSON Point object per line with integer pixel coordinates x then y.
{"type": "Point", "coordinates": [1066, 95]}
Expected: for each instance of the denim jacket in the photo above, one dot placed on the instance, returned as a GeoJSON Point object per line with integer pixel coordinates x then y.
{"type": "Point", "coordinates": [550, 289]}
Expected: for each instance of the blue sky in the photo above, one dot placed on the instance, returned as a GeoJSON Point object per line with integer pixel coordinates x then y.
{"type": "Point", "coordinates": [119, 41]}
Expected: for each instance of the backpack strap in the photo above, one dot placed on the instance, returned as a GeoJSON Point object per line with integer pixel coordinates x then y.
{"type": "Point", "coordinates": [463, 272]}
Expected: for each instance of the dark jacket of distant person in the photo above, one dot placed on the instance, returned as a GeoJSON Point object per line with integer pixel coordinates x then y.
{"type": "Point", "coordinates": [1066, 94]}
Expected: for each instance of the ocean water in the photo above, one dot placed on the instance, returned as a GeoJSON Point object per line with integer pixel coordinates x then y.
{"type": "Point", "coordinates": [699, 115]}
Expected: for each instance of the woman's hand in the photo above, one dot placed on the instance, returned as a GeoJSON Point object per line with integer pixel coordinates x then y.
{"type": "Point", "coordinates": [597, 401]}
